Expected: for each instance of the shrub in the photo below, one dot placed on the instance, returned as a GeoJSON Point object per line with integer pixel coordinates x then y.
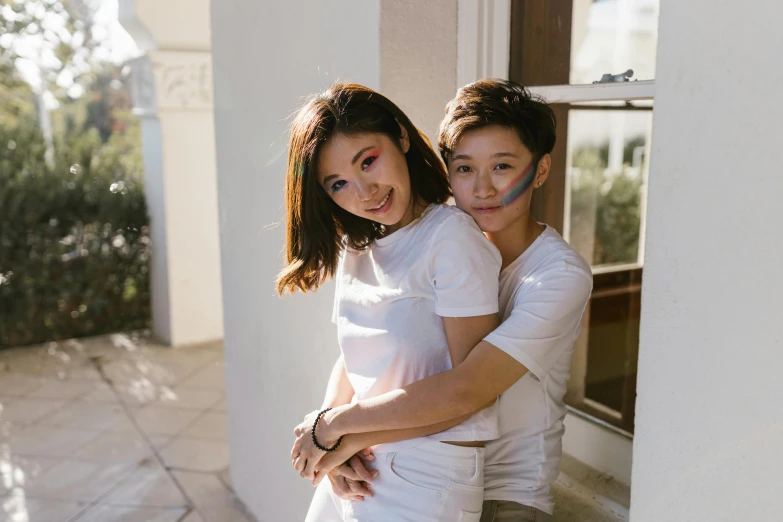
{"type": "Point", "coordinates": [74, 243]}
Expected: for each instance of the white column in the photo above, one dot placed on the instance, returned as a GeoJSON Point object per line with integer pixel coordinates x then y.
{"type": "Point", "coordinates": [172, 90]}
{"type": "Point", "coordinates": [709, 421]}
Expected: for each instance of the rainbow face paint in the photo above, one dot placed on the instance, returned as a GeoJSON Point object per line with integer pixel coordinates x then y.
{"type": "Point", "coordinates": [518, 185]}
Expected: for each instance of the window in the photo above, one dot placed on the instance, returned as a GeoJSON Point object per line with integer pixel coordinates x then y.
{"type": "Point", "coordinates": [596, 194]}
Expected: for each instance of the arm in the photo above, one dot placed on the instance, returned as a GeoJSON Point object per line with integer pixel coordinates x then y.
{"type": "Point", "coordinates": [464, 333]}
{"type": "Point", "coordinates": [356, 442]}
{"type": "Point", "coordinates": [538, 330]}
{"type": "Point", "coordinates": [339, 390]}
{"type": "Point", "coordinates": [461, 333]}
{"type": "Point", "coordinates": [485, 373]}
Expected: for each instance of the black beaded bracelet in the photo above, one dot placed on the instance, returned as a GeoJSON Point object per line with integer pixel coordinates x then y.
{"type": "Point", "coordinates": [315, 441]}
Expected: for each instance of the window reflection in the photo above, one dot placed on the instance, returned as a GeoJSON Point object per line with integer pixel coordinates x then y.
{"type": "Point", "coordinates": [611, 36]}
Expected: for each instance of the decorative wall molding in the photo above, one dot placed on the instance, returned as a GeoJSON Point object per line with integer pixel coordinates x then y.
{"type": "Point", "coordinates": [483, 39]}
{"type": "Point", "coordinates": [172, 81]}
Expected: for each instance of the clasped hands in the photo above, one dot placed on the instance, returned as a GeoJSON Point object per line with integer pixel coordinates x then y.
{"type": "Point", "coordinates": [345, 466]}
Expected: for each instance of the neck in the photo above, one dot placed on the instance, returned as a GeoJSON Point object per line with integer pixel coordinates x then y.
{"type": "Point", "coordinates": [413, 212]}
{"type": "Point", "coordinates": [513, 240]}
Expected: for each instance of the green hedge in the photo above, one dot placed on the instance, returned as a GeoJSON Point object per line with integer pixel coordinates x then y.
{"type": "Point", "coordinates": [74, 243]}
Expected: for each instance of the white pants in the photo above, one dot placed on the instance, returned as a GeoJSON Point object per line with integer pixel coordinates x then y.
{"type": "Point", "coordinates": [433, 482]}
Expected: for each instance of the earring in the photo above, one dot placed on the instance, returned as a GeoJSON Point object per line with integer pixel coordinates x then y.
{"type": "Point", "coordinates": [540, 183]}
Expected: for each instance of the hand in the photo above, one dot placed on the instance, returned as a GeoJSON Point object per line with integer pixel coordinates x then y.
{"type": "Point", "coordinates": [304, 450]}
{"type": "Point", "coordinates": [352, 450]}
{"type": "Point", "coordinates": [304, 454]}
{"type": "Point", "coordinates": [351, 481]}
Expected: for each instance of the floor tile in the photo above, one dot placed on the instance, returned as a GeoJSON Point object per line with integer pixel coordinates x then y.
{"type": "Point", "coordinates": [9, 430]}
{"type": "Point", "coordinates": [55, 389]}
{"type": "Point", "coordinates": [230, 514]}
{"type": "Point", "coordinates": [125, 424]}
{"type": "Point", "coordinates": [213, 376]}
{"type": "Point", "coordinates": [193, 516]}
{"type": "Point", "coordinates": [18, 472]}
{"type": "Point", "coordinates": [196, 454]}
{"type": "Point", "coordinates": [61, 365]}
{"type": "Point", "coordinates": [29, 409]}
{"type": "Point", "coordinates": [211, 425]}
{"type": "Point", "coordinates": [113, 447]}
{"type": "Point", "coordinates": [140, 392]}
{"type": "Point", "coordinates": [80, 414]}
{"type": "Point", "coordinates": [44, 441]}
{"type": "Point", "coordinates": [105, 513]}
{"type": "Point", "coordinates": [155, 420]}
{"type": "Point", "coordinates": [190, 397]}
{"type": "Point", "coordinates": [87, 372]}
{"type": "Point", "coordinates": [77, 480]}
{"type": "Point", "coordinates": [99, 392]}
{"type": "Point", "coordinates": [225, 477]}
{"type": "Point", "coordinates": [205, 490]}
{"type": "Point", "coordinates": [143, 373]}
{"type": "Point", "coordinates": [19, 508]}
{"type": "Point", "coordinates": [148, 485]}
{"type": "Point", "coordinates": [160, 441]}
{"type": "Point", "coordinates": [178, 367]}
{"type": "Point", "coordinates": [68, 438]}
{"type": "Point", "coordinates": [18, 384]}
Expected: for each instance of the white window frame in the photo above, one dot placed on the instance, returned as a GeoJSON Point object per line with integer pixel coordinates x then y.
{"type": "Point", "coordinates": [483, 51]}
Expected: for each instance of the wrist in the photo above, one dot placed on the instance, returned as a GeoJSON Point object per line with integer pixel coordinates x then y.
{"type": "Point", "coordinates": [355, 442]}
{"type": "Point", "coordinates": [331, 425]}
{"type": "Point", "coordinates": [324, 432]}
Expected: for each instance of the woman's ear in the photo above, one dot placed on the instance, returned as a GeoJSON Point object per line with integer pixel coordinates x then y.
{"type": "Point", "coordinates": [542, 172]}
{"type": "Point", "coordinates": [405, 140]}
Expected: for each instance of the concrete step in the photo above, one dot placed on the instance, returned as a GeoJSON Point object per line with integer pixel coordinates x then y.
{"type": "Point", "coordinates": [583, 494]}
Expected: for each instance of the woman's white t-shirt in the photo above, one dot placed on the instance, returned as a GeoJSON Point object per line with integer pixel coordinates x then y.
{"type": "Point", "coordinates": [390, 300]}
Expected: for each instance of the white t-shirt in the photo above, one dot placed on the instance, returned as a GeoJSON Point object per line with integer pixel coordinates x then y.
{"type": "Point", "coordinates": [543, 294]}
{"type": "Point", "coordinates": [390, 300]}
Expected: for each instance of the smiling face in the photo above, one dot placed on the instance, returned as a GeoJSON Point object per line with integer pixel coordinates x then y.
{"type": "Point", "coordinates": [492, 176]}
{"type": "Point", "coordinates": [367, 175]}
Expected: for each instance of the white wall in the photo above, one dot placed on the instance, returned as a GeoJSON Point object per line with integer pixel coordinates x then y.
{"type": "Point", "coordinates": [709, 423]}
{"type": "Point", "coordinates": [419, 58]}
{"type": "Point", "coordinates": [267, 56]}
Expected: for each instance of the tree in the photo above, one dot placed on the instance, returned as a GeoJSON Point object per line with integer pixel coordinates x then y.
{"type": "Point", "coordinates": [605, 208]}
{"type": "Point", "coordinates": [53, 41]}
{"type": "Point", "coordinates": [17, 101]}
{"type": "Point", "coordinates": [51, 37]}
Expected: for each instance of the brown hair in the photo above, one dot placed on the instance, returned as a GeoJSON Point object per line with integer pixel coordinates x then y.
{"type": "Point", "coordinates": [317, 228]}
{"type": "Point", "coordinates": [498, 102]}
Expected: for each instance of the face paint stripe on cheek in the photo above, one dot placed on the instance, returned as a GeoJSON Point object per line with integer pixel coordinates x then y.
{"type": "Point", "coordinates": [518, 185]}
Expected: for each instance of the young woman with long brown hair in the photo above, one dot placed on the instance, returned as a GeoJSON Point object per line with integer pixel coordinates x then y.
{"type": "Point", "coordinates": [416, 290]}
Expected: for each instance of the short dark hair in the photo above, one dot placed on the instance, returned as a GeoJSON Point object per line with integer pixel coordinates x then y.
{"type": "Point", "coordinates": [317, 228]}
{"type": "Point", "coordinates": [498, 102]}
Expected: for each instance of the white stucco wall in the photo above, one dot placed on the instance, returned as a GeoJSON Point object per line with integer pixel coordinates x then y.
{"type": "Point", "coordinates": [267, 57]}
{"type": "Point", "coordinates": [419, 58]}
{"type": "Point", "coordinates": [709, 423]}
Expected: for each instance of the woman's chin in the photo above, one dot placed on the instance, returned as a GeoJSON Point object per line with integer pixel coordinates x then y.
{"type": "Point", "coordinates": [388, 219]}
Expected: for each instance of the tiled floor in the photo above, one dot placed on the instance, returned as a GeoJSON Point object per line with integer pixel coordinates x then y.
{"type": "Point", "coordinates": [114, 429]}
